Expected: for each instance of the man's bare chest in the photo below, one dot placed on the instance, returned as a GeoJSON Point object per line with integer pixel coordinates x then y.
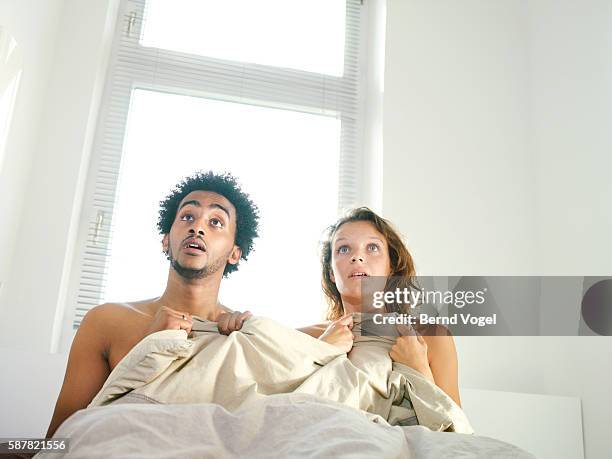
{"type": "Point", "coordinates": [125, 336]}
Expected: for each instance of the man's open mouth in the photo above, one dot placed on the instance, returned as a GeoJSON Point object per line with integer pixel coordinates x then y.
{"type": "Point", "coordinates": [194, 244]}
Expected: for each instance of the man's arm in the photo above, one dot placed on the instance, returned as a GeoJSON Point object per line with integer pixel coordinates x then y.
{"type": "Point", "coordinates": [86, 371]}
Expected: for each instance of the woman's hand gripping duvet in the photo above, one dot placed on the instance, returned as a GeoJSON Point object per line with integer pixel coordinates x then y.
{"type": "Point", "coordinates": [339, 333]}
{"type": "Point", "coordinates": [410, 349]}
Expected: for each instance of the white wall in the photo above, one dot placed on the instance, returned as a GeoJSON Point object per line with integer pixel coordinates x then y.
{"type": "Point", "coordinates": [34, 24]}
{"type": "Point", "coordinates": [496, 143]}
{"type": "Point", "coordinates": [30, 384]}
{"type": "Point", "coordinates": [64, 44]}
{"type": "Point", "coordinates": [47, 177]}
{"type": "Point", "coordinates": [571, 48]}
{"type": "Point", "coordinates": [457, 170]}
{"type": "Point", "coordinates": [528, 421]}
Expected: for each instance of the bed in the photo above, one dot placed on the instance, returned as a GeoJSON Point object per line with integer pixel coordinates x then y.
{"type": "Point", "coordinates": [269, 391]}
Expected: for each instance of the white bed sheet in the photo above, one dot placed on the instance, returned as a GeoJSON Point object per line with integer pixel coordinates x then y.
{"type": "Point", "coordinates": [284, 425]}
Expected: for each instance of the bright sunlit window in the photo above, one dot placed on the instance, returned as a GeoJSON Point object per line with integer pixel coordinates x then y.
{"type": "Point", "coordinates": [267, 90]}
{"type": "Point", "coordinates": [286, 160]}
{"type": "Point", "coordinates": [305, 35]}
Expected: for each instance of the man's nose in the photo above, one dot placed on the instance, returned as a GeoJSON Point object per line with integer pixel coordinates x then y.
{"type": "Point", "coordinates": [196, 228]}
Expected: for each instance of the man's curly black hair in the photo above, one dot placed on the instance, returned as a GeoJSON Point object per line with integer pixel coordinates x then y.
{"type": "Point", "coordinates": [247, 213]}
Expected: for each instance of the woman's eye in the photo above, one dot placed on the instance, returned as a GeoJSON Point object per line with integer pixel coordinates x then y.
{"type": "Point", "coordinates": [216, 222]}
{"type": "Point", "coordinates": [187, 217]}
{"type": "Point", "coordinates": [343, 249]}
{"type": "Point", "coordinates": [373, 248]}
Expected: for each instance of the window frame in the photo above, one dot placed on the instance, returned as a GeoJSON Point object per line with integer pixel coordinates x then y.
{"type": "Point", "coordinates": [342, 97]}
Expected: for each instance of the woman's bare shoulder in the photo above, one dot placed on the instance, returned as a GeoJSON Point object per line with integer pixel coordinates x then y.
{"type": "Point", "coordinates": [315, 330]}
{"type": "Point", "coordinates": [432, 330]}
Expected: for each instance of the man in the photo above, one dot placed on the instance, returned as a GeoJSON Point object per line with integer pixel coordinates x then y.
{"type": "Point", "coordinates": [208, 224]}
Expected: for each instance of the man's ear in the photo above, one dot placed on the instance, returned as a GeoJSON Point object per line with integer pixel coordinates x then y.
{"type": "Point", "coordinates": [165, 244]}
{"type": "Point", "coordinates": [234, 255]}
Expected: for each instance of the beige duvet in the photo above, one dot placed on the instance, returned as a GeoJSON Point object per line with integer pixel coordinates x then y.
{"type": "Point", "coordinates": [266, 358]}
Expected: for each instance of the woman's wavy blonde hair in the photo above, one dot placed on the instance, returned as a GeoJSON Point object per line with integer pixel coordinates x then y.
{"type": "Point", "coordinates": [402, 266]}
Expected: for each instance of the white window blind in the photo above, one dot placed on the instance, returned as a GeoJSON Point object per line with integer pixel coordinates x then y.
{"type": "Point", "coordinates": [145, 66]}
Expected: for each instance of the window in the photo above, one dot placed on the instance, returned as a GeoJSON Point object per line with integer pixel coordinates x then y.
{"type": "Point", "coordinates": [271, 32]}
{"type": "Point", "coordinates": [266, 90]}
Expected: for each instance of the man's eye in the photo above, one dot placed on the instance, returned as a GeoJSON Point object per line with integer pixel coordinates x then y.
{"type": "Point", "coordinates": [373, 248]}
{"type": "Point", "coordinates": [187, 217]}
{"type": "Point", "coordinates": [216, 222]}
{"type": "Point", "coordinates": [343, 249]}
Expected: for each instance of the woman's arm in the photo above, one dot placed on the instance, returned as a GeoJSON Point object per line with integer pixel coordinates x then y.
{"type": "Point", "coordinates": [432, 354]}
{"type": "Point", "coordinates": [442, 356]}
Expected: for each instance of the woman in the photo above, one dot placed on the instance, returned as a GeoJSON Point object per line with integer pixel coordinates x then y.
{"type": "Point", "coordinates": [364, 244]}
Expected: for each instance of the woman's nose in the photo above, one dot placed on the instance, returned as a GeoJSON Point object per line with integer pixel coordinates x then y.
{"type": "Point", "coordinates": [355, 258]}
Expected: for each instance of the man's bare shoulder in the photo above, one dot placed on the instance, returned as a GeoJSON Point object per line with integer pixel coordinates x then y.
{"type": "Point", "coordinates": [112, 309]}
{"type": "Point", "coordinates": [108, 318]}
{"type": "Point", "coordinates": [117, 327]}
